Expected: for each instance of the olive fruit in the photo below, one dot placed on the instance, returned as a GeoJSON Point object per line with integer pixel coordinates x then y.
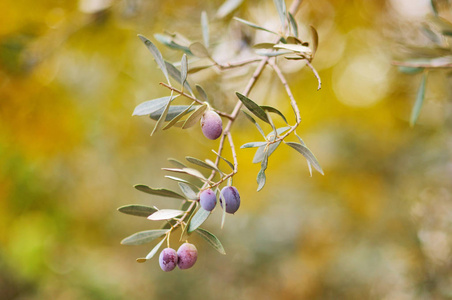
{"type": "Point", "coordinates": [168, 259]}
{"type": "Point", "coordinates": [211, 125]}
{"type": "Point", "coordinates": [187, 255]}
{"type": "Point", "coordinates": [208, 199]}
{"type": "Point", "coordinates": [231, 197]}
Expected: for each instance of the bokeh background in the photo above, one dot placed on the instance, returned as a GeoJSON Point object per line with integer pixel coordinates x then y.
{"type": "Point", "coordinates": [378, 225]}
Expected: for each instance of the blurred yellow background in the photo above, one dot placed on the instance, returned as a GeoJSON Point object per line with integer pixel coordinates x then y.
{"type": "Point", "coordinates": [378, 225]}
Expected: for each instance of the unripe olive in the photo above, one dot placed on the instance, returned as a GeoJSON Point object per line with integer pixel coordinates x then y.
{"type": "Point", "coordinates": [208, 199]}
{"type": "Point", "coordinates": [168, 259]}
{"type": "Point", "coordinates": [231, 197]}
{"type": "Point", "coordinates": [211, 125]}
{"type": "Point", "coordinates": [187, 256]}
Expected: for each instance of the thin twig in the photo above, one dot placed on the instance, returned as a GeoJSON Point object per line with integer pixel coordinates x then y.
{"type": "Point", "coordinates": [180, 92]}
{"type": "Point", "coordinates": [315, 74]}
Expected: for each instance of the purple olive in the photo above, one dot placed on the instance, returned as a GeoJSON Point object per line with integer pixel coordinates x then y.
{"type": "Point", "coordinates": [187, 256]}
{"type": "Point", "coordinates": [208, 199]}
{"type": "Point", "coordinates": [231, 198]}
{"type": "Point", "coordinates": [168, 259]}
{"type": "Point", "coordinates": [211, 125]}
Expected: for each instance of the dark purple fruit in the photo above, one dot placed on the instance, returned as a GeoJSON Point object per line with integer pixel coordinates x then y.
{"type": "Point", "coordinates": [211, 125]}
{"type": "Point", "coordinates": [231, 197]}
{"type": "Point", "coordinates": [168, 259]}
{"type": "Point", "coordinates": [208, 199]}
{"type": "Point", "coordinates": [187, 256]}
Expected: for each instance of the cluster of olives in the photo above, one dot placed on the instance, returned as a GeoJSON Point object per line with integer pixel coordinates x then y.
{"type": "Point", "coordinates": [184, 258]}
{"type": "Point", "coordinates": [211, 125]}
{"type": "Point", "coordinates": [230, 195]}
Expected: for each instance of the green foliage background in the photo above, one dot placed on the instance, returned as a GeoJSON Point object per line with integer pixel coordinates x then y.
{"type": "Point", "coordinates": [377, 225]}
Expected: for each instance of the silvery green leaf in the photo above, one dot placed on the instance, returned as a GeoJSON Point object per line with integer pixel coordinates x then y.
{"type": "Point", "coordinates": [205, 28]}
{"type": "Point", "coordinates": [295, 48]}
{"type": "Point", "coordinates": [174, 111]}
{"type": "Point", "coordinates": [315, 40]}
{"type": "Point", "coordinates": [158, 192]}
{"type": "Point", "coordinates": [254, 122]}
{"type": "Point", "coordinates": [279, 131]}
{"type": "Point", "coordinates": [181, 180]}
{"type": "Point", "coordinates": [179, 116]}
{"type": "Point", "coordinates": [202, 93]}
{"type": "Point", "coordinates": [199, 50]}
{"type": "Point", "coordinates": [197, 220]}
{"type": "Point", "coordinates": [224, 159]}
{"type": "Point", "coordinates": [143, 237]}
{"type": "Point", "coordinates": [253, 145]}
{"type": "Point", "coordinates": [176, 163]}
{"type": "Point", "coordinates": [253, 107]}
{"type": "Point", "coordinates": [176, 74]}
{"type": "Point", "coordinates": [137, 210]}
{"type": "Point", "coordinates": [154, 250]}
{"type": "Point", "coordinates": [211, 239]}
{"type": "Point", "coordinates": [189, 171]}
{"type": "Point", "coordinates": [261, 178]}
{"type": "Point", "coordinates": [281, 8]}
{"type": "Point", "coordinates": [194, 118]}
{"type": "Point", "coordinates": [162, 118]}
{"type": "Point", "coordinates": [183, 69]}
{"type": "Point", "coordinates": [188, 192]}
{"type": "Point", "coordinates": [151, 106]}
{"type": "Point", "coordinates": [419, 100]}
{"type": "Point", "coordinates": [264, 46]}
{"type": "Point", "coordinates": [200, 163]}
{"type": "Point", "coordinates": [307, 154]}
{"type": "Point", "coordinates": [171, 43]}
{"type": "Point", "coordinates": [254, 25]}
{"type": "Point", "coordinates": [275, 111]}
{"type": "Point", "coordinates": [272, 53]}
{"type": "Point", "coordinates": [260, 153]}
{"type": "Point", "coordinates": [165, 214]}
{"type": "Point", "coordinates": [227, 7]}
{"type": "Point", "coordinates": [410, 70]}
{"type": "Point", "coordinates": [199, 68]}
{"type": "Point", "coordinates": [157, 55]}
{"type": "Point", "coordinates": [293, 25]}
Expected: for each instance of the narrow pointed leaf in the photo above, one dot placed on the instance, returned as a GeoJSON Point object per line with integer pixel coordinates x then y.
{"type": "Point", "coordinates": [261, 178]}
{"type": "Point", "coordinates": [275, 111]}
{"type": "Point", "coordinates": [199, 68]}
{"type": "Point", "coordinates": [137, 210]}
{"type": "Point", "coordinates": [174, 120]}
{"type": "Point", "coordinates": [419, 100]}
{"type": "Point", "coordinates": [225, 160]}
{"type": "Point", "coordinates": [260, 153]}
{"type": "Point", "coordinates": [143, 237]}
{"type": "Point", "coordinates": [279, 131]}
{"type": "Point", "coordinates": [254, 122]}
{"type": "Point", "coordinates": [253, 145]}
{"type": "Point", "coordinates": [176, 74]}
{"type": "Point", "coordinates": [151, 106]}
{"type": "Point", "coordinates": [197, 220]}
{"type": "Point", "coordinates": [293, 25]}
{"type": "Point", "coordinates": [227, 7]}
{"type": "Point", "coordinates": [157, 55]}
{"type": "Point", "coordinates": [264, 46]}
{"type": "Point", "coordinates": [295, 48]}
{"type": "Point", "coordinates": [205, 28]}
{"type": "Point", "coordinates": [176, 163]}
{"type": "Point", "coordinates": [189, 171]}
{"type": "Point", "coordinates": [162, 118]}
{"type": "Point", "coordinates": [253, 107]}
{"type": "Point", "coordinates": [188, 192]}
{"type": "Point", "coordinates": [194, 118]}
{"type": "Point", "coordinates": [171, 43]}
{"type": "Point", "coordinates": [199, 50]}
{"type": "Point", "coordinates": [165, 214]}
{"type": "Point", "coordinates": [154, 250]}
{"type": "Point", "coordinates": [181, 180]}
{"type": "Point", "coordinates": [183, 69]}
{"type": "Point", "coordinates": [200, 163]}
{"type": "Point", "coordinates": [307, 154]}
{"type": "Point", "coordinates": [281, 8]}
{"type": "Point", "coordinates": [158, 192]}
{"type": "Point", "coordinates": [315, 40]}
{"type": "Point", "coordinates": [211, 239]}
{"type": "Point", "coordinates": [202, 93]}
{"type": "Point", "coordinates": [254, 25]}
